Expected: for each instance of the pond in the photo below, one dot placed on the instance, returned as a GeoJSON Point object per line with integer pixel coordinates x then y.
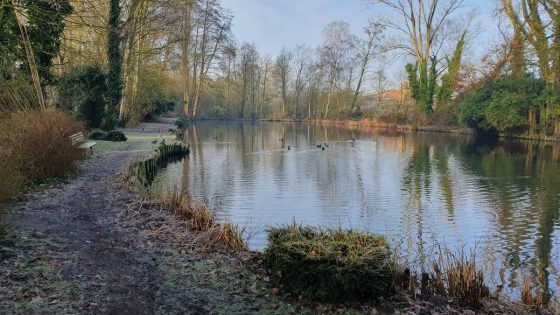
{"type": "Point", "coordinates": [498, 198]}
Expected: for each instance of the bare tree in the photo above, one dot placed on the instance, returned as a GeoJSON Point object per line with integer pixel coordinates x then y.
{"type": "Point", "coordinates": [335, 55]}
{"type": "Point", "coordinates": [282, 72]}
{"type": "Point", "coordinates": [423, 23]}
{"type": "Point", "coordinates": [373, 30]}
{"type": "Point", "coordinates": [302, 61]}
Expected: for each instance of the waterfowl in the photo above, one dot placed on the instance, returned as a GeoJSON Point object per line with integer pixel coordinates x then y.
{"type": "Point", "coordinates": [353, 139]}
{"type": "Point", "coordinates": [289, 148]}
{"type": "Point", "coordinates": [323, 148]}
{"type": "Point", "coordinates": [318, 146]}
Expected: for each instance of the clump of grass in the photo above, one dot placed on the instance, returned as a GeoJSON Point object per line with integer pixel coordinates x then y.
{"type": "Point", "coordinates": [201, 218]}
{"type": "Point", "coordinates": [34, 146]}
{"type": "Point", "coordinates": [176, 202]}
{"type": "Point", "coordinates": [457, 276]}
{"type": "Point", "coordinates": [330, 264]}
{"type": "Point", "coordinates": [528, 295]}
{"type": "Point", "coordinates": [224, 236]}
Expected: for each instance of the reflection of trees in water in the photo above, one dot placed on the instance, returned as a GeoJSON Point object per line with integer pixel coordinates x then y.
{"type": "Point", "coordinates": [523, 179]}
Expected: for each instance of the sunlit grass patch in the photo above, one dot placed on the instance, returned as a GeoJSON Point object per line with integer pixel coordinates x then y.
{"type": "Point", "coordinates": [330, 264]}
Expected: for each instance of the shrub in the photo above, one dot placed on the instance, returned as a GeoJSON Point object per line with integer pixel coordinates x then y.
{"type": "Point", "coordinates": [182, 123]}
{"type": "Point", "coordinates": [34, 146]}
{"type": "Point", "coordinates": [97, 135]}
{"type": "Point", "coordinates": [502, 104]}
{"type": "Point", "coordinates": [330, 265]}
{"type": "Point", "coordinates": [115, 136]}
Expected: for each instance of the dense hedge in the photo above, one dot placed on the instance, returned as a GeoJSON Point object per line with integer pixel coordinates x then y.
{"type": "Point", "coordinates": [330, 265]}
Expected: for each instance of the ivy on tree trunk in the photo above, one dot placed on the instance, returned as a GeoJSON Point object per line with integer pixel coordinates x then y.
{"type": "Point", "coordinates": [114, 57]}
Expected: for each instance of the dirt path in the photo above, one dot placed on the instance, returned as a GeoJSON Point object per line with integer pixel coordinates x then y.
{"type": "Point", "coordinates": [84, 247]}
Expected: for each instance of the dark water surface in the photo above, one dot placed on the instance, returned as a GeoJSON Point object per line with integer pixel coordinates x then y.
{"type": "Point", "coordinates": [499, 198]}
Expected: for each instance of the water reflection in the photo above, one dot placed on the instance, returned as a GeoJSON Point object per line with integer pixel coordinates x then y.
{"type": "Point", "coordinates": [499, 197]}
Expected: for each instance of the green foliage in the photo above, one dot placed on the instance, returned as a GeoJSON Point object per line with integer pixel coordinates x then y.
{"type": "Point", "coordinates": [412, 71]}
{"type": "Point", "coordinates": [506, 111]}
{"type": "Point", "coordinates": [82, 90]}
{"type": "Point", "coordinates": [357, 112]}
{"type": "Point", "coordinates": [503, 104]}
{"type": "Point", "coordinates": [45, 24]}
{"type": "Point", "coordinates": [422, 80]}
{"type": "Point", "coordinates": [97, 135]}
{"type": "Point", "coordinates": [114, 76]}
{"type": "Point", "coordinates": [448, 80]}
{"type": "Point", "coordinates": [330, 265]}
{"type": "Point", "coordinates": [181, 123]}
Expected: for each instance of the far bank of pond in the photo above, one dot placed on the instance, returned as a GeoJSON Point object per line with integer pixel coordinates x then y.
{"type": "Point", "coordinates": [498, 197]}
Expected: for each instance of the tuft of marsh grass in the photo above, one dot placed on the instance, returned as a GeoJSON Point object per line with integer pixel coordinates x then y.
{"type": "Point", "coordinates": [224, 236]}
{"type": "Point", "coordinates": [201, 218]}
{"type": "Point", "coordinates": [528, 295]}
{"type": "Point", "coordinates": [456, 275]}
{"type": "Point", "coordinates": [330, 264]}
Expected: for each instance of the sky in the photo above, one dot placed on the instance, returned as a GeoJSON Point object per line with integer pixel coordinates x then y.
{"type": "Point", "coordinates": [273, 24]}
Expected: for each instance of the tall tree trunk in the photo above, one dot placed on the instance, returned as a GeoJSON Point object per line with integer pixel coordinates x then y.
{"type": "Point", "coordinates": [114, 57]}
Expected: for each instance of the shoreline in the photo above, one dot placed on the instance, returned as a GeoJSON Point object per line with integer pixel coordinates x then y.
{"type": "Point", "coordinates": [376, 124]}
{"type": "Point", "coordinates": [93, 245]}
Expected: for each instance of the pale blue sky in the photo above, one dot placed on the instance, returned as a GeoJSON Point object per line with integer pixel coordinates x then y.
{"type": "Point", "coordinates": [272, 24]}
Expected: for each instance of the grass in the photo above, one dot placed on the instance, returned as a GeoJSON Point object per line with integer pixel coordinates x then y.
{"type": "Point", "coordinates": [330, 264]}
{"type": "Point", "coordinates": [224, 236]}
{"type": "Point", "coordinates": [456, 275]}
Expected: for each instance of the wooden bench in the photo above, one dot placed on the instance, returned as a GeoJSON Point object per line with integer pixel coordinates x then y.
{"type": "Point", "coordinates": [79, 140]}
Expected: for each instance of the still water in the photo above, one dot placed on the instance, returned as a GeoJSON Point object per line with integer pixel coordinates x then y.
{"type": "Point", "coordinates": [500, 199]}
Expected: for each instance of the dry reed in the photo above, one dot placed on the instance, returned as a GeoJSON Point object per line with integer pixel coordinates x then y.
{"type": "Point", "coordinates": [528, 295]}
{"type": "Point", "coordinates": [35, 145]}
{"type": "Point", "coordinates": [457, 275]}
{"type": "Point", "coordinates": [222, 236]}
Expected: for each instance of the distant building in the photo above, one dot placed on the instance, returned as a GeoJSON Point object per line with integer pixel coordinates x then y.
{"type": "Point", "coordinates": [394, 95]}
